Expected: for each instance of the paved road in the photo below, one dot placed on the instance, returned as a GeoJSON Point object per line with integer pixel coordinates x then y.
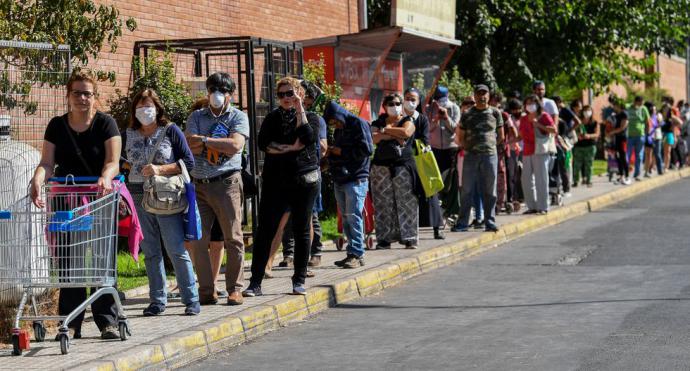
{"type": "Point", "coordinates": [607, 291]}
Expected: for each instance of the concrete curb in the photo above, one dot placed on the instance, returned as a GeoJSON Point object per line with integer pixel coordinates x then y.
{"type": "Point", "coordinates": [193, 344]}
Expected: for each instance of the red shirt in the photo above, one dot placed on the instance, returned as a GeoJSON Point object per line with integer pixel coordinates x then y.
{"type": "Point", "coordinates": [527, 131]}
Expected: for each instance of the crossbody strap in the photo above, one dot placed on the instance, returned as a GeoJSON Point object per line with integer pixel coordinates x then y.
{"type": "Point", "coordinates": [76, 147]}
{"type": "Point", "coordinates": [158, 143]}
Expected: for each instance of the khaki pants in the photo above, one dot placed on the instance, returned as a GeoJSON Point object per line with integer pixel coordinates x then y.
{"type": "Point", "coordinates": [223, 200]}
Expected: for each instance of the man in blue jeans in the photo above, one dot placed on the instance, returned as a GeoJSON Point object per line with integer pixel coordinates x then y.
{"type": "Point", "coordinates": [349, 160]}
{"type": "Point", "coordinates": [478, 134]}
{"type": "Point", "coordinates": [638, 118]}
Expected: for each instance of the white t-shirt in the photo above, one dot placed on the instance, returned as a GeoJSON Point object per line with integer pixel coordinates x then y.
{"type": "Point", "coordinates": [550, 106]}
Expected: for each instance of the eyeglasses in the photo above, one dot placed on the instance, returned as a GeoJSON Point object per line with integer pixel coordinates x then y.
{"type": "Point", "coordinates": [393, 104]}
{"type": "Point", "coordinates": [79, 93]}
{"type": "Point", "coordinates": [214, 89]}
{"type": "Point", "coordinates": [289, 94]}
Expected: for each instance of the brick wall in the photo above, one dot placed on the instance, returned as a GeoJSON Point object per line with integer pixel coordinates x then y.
{"type": "Point", "coordinates": [283, 20]}
{"type": "Point", "coordinates": [673, 77]}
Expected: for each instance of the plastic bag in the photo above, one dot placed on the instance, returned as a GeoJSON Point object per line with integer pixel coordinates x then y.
{"type": "Point", "coordinates": [427, 168]}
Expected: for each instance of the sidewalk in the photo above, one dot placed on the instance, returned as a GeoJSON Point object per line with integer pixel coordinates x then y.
{"type": "Point", "coordinates": [173, 339]}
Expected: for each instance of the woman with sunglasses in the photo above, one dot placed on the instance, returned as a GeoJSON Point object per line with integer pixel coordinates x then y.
{"type": "Point", "coordinates": [393, 176]}
{"type": "Point", "coordinates": [290, 178]}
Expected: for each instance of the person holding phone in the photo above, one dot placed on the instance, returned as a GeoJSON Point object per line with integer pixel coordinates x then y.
{"type": "Point", "coordinates": [290, 178]}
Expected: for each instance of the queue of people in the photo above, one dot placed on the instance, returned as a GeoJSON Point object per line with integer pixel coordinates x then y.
{"type": "Point", "coordinates": [505, 153]}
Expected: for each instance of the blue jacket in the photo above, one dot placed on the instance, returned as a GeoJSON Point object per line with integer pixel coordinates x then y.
{"type": "Point", "coordinates": [355, 143]}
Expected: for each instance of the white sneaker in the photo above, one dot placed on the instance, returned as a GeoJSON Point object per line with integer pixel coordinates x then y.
{"type": "Point", "coordinates": [627, 181]}
{"type": "Point", "coordinates": [568, 195]}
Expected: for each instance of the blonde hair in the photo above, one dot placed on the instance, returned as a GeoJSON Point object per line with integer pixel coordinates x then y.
{"type": "Point", "coordinates": [289, 81]}
{"type": "Point", "coordinates": [82, 75]}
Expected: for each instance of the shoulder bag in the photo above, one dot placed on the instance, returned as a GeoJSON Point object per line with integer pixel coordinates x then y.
{"type": "Point", "coordinates": [544, 143]}
{"type": "Point", "coordinates": [164, 194]}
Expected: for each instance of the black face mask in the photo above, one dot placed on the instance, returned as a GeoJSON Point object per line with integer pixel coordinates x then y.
{"type": "Point", "coordinates": [289, 119]}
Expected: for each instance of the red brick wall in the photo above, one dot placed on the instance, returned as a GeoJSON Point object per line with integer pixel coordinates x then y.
{"type": "Point", "coordinates": [672, 77]}
{"type": "Point", "coordinates": [283, 20]}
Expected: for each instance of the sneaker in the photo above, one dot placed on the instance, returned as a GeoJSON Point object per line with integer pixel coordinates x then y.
{"type": "Point", "coordinates": [236, 298]}
{"type": "Point", "coordinates": [438, 235]}
{"type": "Point", "coordinates": [298, 289]}
{"type": "Point", "coordinates": [352, 262]}
{"type": "Point", "coordinates": [383, 245]}
{"type": "Point", "coordinates": [286, 263]}
{"type": "Point", "coordinates": [477, 224]}
{"type": "Point", "coordinates": [340, 263]}
{"type": "Point", "coordinates": [110, 333]}
{"type": "Point", "coordinates": [647, 174]}
{"type": "Point", "coordinates": [491, 228]}
{"type": "Point", "coordinates": [637, 179]}
{"type": "Point", "coordinates": [192, 309]}
{"type": "Point", "coordinates": [411, 245]}
{"type": "Point", "coordinates": [568, 195]}
{"type": "Point", "coordinates": [315, 261]}
{"type": "Point", "coordinates": [460, 228]}
{"type": "Point", "coordinates": [154, 309]}
{"type": "Point", "coordinates": [222, 294]}
{"type": "Point", "coordinates": [252, 291]}
{"type": "Point", "coordinates": [626, 181]}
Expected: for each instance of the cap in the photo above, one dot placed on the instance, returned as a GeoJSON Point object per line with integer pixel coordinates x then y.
{"type": "Point", "coordinates": [481, 87]}
{"type": "Point", "coordinates": [441, 91]}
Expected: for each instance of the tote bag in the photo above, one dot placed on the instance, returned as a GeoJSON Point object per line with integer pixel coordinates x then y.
{"type": "Point", "coordinates": [427, 168]}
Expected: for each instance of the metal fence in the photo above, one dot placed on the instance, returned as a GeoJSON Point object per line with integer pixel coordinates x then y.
{"type": "Point", "coordinates": [32, 79]}
{"type": "Point", "coordinates": [254, 63]}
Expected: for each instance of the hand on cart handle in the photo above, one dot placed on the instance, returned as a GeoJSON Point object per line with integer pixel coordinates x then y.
{"type": "Point", "coordinates": [105, 185]}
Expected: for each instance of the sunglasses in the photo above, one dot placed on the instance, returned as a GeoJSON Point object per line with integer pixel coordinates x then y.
{"type": "Point", "coordinates": [393, 104]}
{"type": "Point", "coordinates": [79, 93]}
{"type": "Point", "coordinates": [289, 94]}
{"type": "Point", "coordinates": [214, 89]}
{"type": "Point", "coordinates": [468, 103]}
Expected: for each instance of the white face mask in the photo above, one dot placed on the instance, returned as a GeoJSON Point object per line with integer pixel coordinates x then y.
{"type": "Point", "coordinates": [217, 99]}
{"type": "Point", "coordinates": [394, 111]}
{"type": "Point", "coordinates": [443, 101]}
{"type": "Point", "coordinates": [410, 106]}
{"type": "Point", "coordinates": [531, 108]}
{"type": "Point", "coordinates": [587, 114]}
{"type": "Point", "coordinates": [146, 115]}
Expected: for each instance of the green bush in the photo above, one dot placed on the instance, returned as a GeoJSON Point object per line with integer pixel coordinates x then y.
{"type": "Point", "coordinates": [158, 75]}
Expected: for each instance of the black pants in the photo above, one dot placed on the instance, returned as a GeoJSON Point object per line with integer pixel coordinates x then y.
{"type": "Point", "coordinates": [622, 157]}
{"type": "Point", "coordinates": [276, 197]}
{"type": "Point", "coordinates": [444, 157]}
{"type": "Point", "coordinates": [289, 238]}
{"type": "Point", "coordinates": [558, 178]}
{"type": "Point", "coordinates": [430, 213]}
{"type": "Point", "coordinates": [513, 181]}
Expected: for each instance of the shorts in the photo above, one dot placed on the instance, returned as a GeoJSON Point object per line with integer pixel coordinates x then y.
{"type": "Point", "coordinates": [670, 139]}
{"type": "Point", "coordinates": [216, 232]}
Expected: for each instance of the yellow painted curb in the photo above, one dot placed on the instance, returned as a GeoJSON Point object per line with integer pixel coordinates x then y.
{"type": "Point", "coordinates": [258, 321]}
{"type": "Point", "coordinates": [184, 346]}
{"type": "Point", "coordinates": [409, 267]}
{"type": "Point", "coordinates": [389, 275]}
{"type": "Point", "coordinates": [290, 309]}
{"type": "Point", "coordinates": [369, 283]}
{"type": "Point", "coordinates": [224, 333]}
{"type": "Point", "coordinates": [345, 290]}
{"type": "Point", "coordinates": [319, 299]}
{"type": "Point", "coordinates": [95, 366]}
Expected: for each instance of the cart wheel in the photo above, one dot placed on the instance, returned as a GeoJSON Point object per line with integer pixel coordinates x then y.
{"type": "Point", "coordinates": [39, 331]}
{"type": "Point", "coordinates": [370, 242]}
{"type": "Point", "coordinates": [340, 243]}
{"type": "Point", "coordinates": [16, 349]}
{"type": "Point", "coordinates": [64, 343]}
{"type": "Point", "coordinates": [124, 330]}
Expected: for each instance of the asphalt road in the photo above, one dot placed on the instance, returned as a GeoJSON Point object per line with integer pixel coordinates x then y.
{"type": "Point", "coordinates": [607, 291]}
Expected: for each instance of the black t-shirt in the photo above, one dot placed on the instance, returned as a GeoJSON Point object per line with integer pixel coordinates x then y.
{"type": "Point", "coordinates": [405, 149]}
{"type": "Point", "coordinates": [619, 117]}
{"type": "Point", "coordinates": [91, 143]}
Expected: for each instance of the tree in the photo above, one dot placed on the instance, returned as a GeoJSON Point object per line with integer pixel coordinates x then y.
{"type": "Point", "coordinates": [86, 27]}
{"type": "Point", "coordinates": [508, 43]}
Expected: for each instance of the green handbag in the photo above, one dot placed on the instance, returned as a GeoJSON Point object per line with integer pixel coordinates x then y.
{"type": "Point", "coordinates": [427, 168]}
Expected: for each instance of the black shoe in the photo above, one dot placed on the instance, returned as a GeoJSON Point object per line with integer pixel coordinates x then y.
{"type": "Point", "coordinates": [154, 309]}
{"type": "Point", "coordinates": [438, 235]}
{"type": "Point", "coordinates": [252, 291]}
{"type": "Point", "coordinates": [383, 245]}
{"type": "Point", "coordinates": [530, 212]}
{"type": "Point", "coordinates": [491, 228]}
{"type": "Point", "coordinates": [477, 224]}
{"type": "Point", "coordinates": [339, 263]}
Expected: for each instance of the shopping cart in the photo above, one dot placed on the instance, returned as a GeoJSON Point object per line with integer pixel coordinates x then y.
{"type": "Point", "coordinates": [70, 243]}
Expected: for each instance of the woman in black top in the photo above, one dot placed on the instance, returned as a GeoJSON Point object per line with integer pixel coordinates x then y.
{"type": "Point", "coordinates": [429, 208]}
{"type": "Point", "coordinates": [98, 138]}
{"type": "Point", "coordinates": [586, 147]}
{"type": "Point", "coordinates": [393, 176]}
{"type": "Point", "coordinates": [290, 177]}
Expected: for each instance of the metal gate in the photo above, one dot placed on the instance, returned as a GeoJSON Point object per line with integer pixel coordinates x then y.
{"type": "Point", "coordinates": [254, 63]}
